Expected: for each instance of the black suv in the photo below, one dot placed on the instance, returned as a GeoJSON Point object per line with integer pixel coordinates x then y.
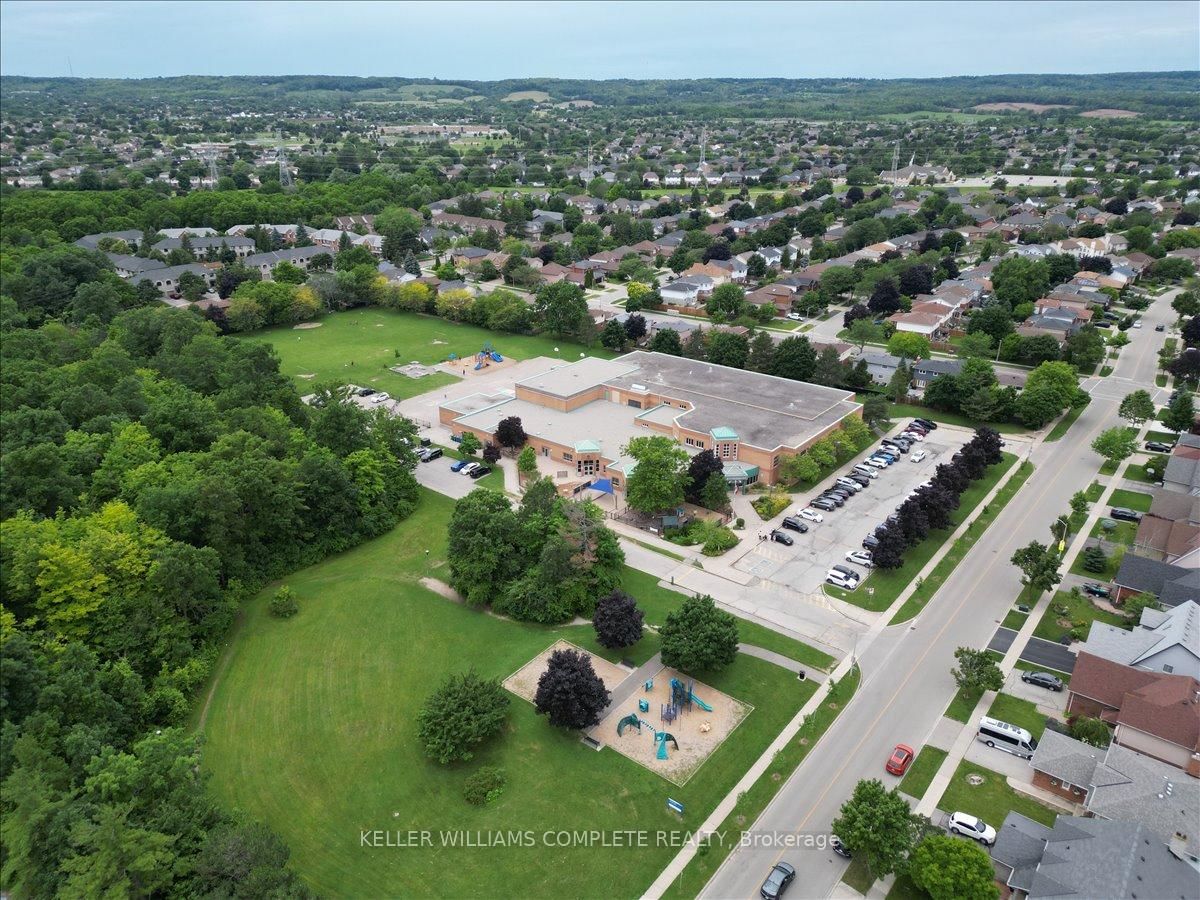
{"type": "Point", "coordinates": [1159, 446]}
{"type": "Point", "coordinates": [870, 542]}
{"type": "Point", "coordinates": [928, 423]}
{"type": "Point", "coordinates": [782, 537]}
{"type": "Point", "coordinates": [478, 473]}
{"type": "Point", "coordinates": [795, 524]}
{"type": "Point", "coordinates": [1128, 515]}
{"type": "Point", "coordinates": [429, 454]}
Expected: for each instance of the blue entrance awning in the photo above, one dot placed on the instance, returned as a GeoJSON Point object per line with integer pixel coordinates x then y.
{"type": "Point", "coordinates": [603, 485]}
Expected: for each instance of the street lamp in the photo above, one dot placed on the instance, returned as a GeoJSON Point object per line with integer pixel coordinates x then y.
{"type": "Point", "coordinates": [1062, 543]}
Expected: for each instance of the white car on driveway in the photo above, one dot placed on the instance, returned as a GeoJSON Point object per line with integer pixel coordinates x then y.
{"type": "Point", "coordinates": [969, 826]}
{"type": "Point", "coordinates": [918, 456]}
{"type": "Point", "coordinates": [811, 514]}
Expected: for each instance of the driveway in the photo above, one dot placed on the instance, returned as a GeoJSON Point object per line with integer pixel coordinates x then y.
{"type": "Point", "coordinates": [1055, 701]}
{"type": "Point", "coordinates": [1038, 652]}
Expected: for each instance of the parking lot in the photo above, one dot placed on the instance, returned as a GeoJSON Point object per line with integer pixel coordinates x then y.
{"type": "Point", "coordinates": [803, 565]}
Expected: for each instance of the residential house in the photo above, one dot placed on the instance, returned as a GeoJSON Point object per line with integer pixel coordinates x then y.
{"type": "Point", "coordinates": [359, 224]}
{"type": "Point", "coordinates": [692, 290]}
{"type": "Point", "coordinates": [925, 370]}
{"type": "Point", "coordinates": [881, 366]}
{"type": "Point", "coordinates": [1170, 583]}
{"type": "Point", "coordinates": [191, 231]}
{"type": "Point", "coordinates": [166, 279]}
{"type": "Point", "coordinates": [1165, 641]}
{"type": "Point", "coordinates": [133, 238]}
{"type": "Point", "coordinates": [128, 266]}
{"type": "Point", "coordinates": [1182, 474]}
{"type": "Point", "coordinates": [1170, 530]}
{"type": "Point", "coordinates": [466, 223]}
{"type": "Point", "coordinates": [918, 174]}
{"type": "Point", "coordinates": [718, 275]}
{"type": "Point", "coordinates": [1095, 859]}
{"type": "Point", "coordinates": [778, 295]}
{"type": "Point", "coordinates": [1154, 713]}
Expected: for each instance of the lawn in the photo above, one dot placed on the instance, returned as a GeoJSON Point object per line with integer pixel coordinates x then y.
{"type": "Point", "coordinates": [962, 705]}
{"type": "Point", "coordinates": [312, 729]}
{"type": "Point", "coordinates": [991, 800]}
{"type": "Point", "coordinates": [1016, 711]}
{"type": "Point", "coordinates": [858, 876]}
{"type": "Point", "coordinates": [911, 411]}
{"type": "Point", "coordinates": [1094, 492]}
{"type": "Point", "coordinates": [1032, 667]}
{"type": "Point", "coordinates": [1075, 608]}
{"type": "Point", "coordinates": [1110, 567]}
{"type": "Point", "coordinates": [358, 346]}
{"type": "Point", "coordinates": [915, 603]}
{"type": "Point", "coordinates": [657, 601]}
{"type": "Point", "coordinates": [920, 774]}
{"type": "Point", "coordinates": [1014, 619]}
{"type": "Point", "coordinates": [1064, 424]}
{"type": "Point", "coordinates": [1124, 532]}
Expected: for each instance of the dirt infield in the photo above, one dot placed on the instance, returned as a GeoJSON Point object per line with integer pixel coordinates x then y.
{"type": "Point", "coordinates": [698, 732]}
{"type": "Point", "coordinates": [524, 681]}
{"type": "Point", "coordinates": [1019, 107]}
{"type": "Point", "coordinates": [1110, 114]}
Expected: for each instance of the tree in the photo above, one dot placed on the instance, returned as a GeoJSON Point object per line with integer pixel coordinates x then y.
{"type": "Point", "coordinates": [898, 385]}
{"type": "Point", "coordinates": [613, 336]}
{"type": "Point", "coordinates": [510, 433]}
{"type": "Point", "coordinates": [470, 444]}
{"type": "Point", "coordinates": [1090, 731]}
{"type": "Point", "coordinates": [995, 321]}
{"type": "Point", "coordinates": [864, 331]}
{"type": "Point", "coordinates": [890, 552]}
{"type": "Point", "coordinates": [727, 300]}
{"type": "Point", "coordinates": [1039, 566]}
{"type": "Point", "coordinates": [491, 454]}
{"type": "Point", "coordinates": [562, 308]}
{"type": "Point", "coordinates": [794, 359]}
{"type": "Point", "coordinates": [283, 603]}
{"type": "Point", "coordinates": [1181, 412]}
{"type": "Point", "coordinates": [714, 494]}
{"type": "Point", "coordinates": [947, 868]}
{"type": "Point", "coordinates": [885, 299]}
{"type": "Point", "coordinates": [908, 345]}
{"type": "Point", "coordinates": [570, 692]}
{"type": "Point", "coordinates": [618, 621]}
{"type": "Point", "coordinates": [915, 280]}
{"type": "Point", "coordinates": [657, 481]}
{"type": "Point", "coordinates": [979, 344]}
{"type": "Point", "coordinates": [1095, 559]}
{"type": "Point", "coordinates": [702, 465]}
{"type": "Point", "coordinates": [877, 825]}
{"type": "Point", "coordinates": [463, 712]}
{"type": "Point", "coordinates": [666, 340]}
{"type": "Point", "coordinates": [527, 463]}
{"type": "Point", "coordinates": [635, 327]}
{"type": "Point", "coordinates": [876, 410]}
{"type": "Point", "coordinates": [726, 348]}
{"type": "Point", "coordinates": [976, 671]}
{"type": "Point", "coordinates": [1079, 503]}
{"type": "Point", "coordinates": [482, 549]}
{"type": "Point", "coordinates": [762, 352]}
{"type": "Point", "coordinates": [1115, 444]}
{"type": "Point", "coordinates": [857, 311]}
{"type": "Point", "coordinates": [698, 637]}
{"type": "Point", "coordinates": [1137, 407]}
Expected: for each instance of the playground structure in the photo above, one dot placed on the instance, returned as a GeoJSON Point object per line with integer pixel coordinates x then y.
{"type": "Point", "coordinates": [633, 720]}
{"type": "Point", "coordinates": [683, 697]}
{"type": "Point", "coordinates": [486, 357]}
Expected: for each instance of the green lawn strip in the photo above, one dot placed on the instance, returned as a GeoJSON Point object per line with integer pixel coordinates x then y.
{"type": "Point", "coordinates": [908, 410]}
{"type": "Point", "coordinates": [312, 728]}
{"type": "Point", "coordinates": [663, 551]}
{"type": "Point", "coordinates": [1016, 711]}
{"type": "Point", "coordinates": [858, 876]}
{"type": "Point", "coordinates": [657, 601]}
{"type": "Point", "coordinates": [358, 346]}
{"type": "Point", "coordinates": [1094, 491]}
{"type": "Point", "coordinates": [970, 499]}
{"type": "Point", "coordinates": [1124, 532]}
{"type": "Point", "coordinates": [1110, 567]}
{"type": "Point", "coordinates": [962, 705]}
{"type": "Point", "coordinates": [750, 804]}
{"type": "Point", "coordinates": [904, 889]}
{"type": "Point", "coordinates": [1105, 371]}
{"type": "Point", "coordinates": [1160, 380]}
{"type": "Point", "coordinates": [992, 800]}
{"type": "Point", "coordinates": [920, 774]}
{"type": "Point", "coordinates": [1108, 467]}
{"type": "Point", "coordinates": [1014, 620]}
{"type": "Point", "coordinates": [1075, 608]}
{"type": "Point", "coordinates": [1064, 424]}
{"type": "Point", "coordinates": [1168, 437]}
{"type": "Point", "coordinates": [1139, 473]}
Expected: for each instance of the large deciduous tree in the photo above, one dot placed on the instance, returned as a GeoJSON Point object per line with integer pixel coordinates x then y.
{"type": "Point", "coordinates": [976, 671]}
{"type": "Point", "coordinates": [1039, 566]}
{"type": "Point", "coordinates": [657, 481]}
{"type": "Point", "coordinates": [947, 868]}
{"type": "Point", "coordinates": [877, 825]}
{"type": "Point", "coordinates": [462, 713]}
{"type": "Point", "coordinates": [569, 692]}
{"type": "Point", "coordinates": [617, 620]}
{"type": "Point", "coordinates": [698, 637]}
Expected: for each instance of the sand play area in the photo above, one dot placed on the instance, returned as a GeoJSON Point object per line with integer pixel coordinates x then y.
{"type": "Point", "coordinates": [698, 731]}
{"type": "Point", "coordinates": [524, 681]}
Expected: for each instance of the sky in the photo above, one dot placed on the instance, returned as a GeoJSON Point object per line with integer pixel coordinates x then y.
{"type": "Point", "coordinates": [487, 41]}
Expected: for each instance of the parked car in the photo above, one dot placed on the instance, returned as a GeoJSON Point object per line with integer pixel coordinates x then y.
{"type": "Point", "coordinates": [846, 571]}
{"type": "Point", "coordinates": [479, 471]}
{"type": "Point", "coordinates": [795, 317]}
{"type": "Point", "coordinates": [811, 514]}
{"type": "Point", "coordinates": [777, 882]}
{"type": "Point", "coordinates": [861, 557]}
{"type": "Point", "coordinates": [968, 825]}
{"type": "Point", "coordinates": [838, 502]}
{"type": "Point", "coordinates": [782, 537]}
{"type": "Point", "coordinates": [900, 759]}
{"type": "Point", "coordinates": [849, 483]}
{"type": "Point", "coordinates": [468, 468]}
{"type": "Point", "coordinates": [838, 580]}
{"type": "Point", "coordinates": [458, 465]}
{"type": "Point", "coordinates": [877, 463]}
{"type": "Point", "coordinates": [826, 505]}
{"type": "Point", "coordinates": [860, 479]}
{"type": "Point", "coordinates": [836, 845]}
{"type": "Point", "coordinates": [928, 423]}
{"type": "Point", "coordinates": [916, 425]}
{"type": "Point", "coordinates": [1127, 515]}
{"type": "Point", "coordinates": [1096, 590]}
{"type": "Point", "coordinates": [870, 542]}
{"type": "Point", "coordinates": [844, 493]}
{"type": "Point", "coordinates": [865, 470]}
{"type": "Point", "coordinates": [795, 524]}
{"type": "Point", "coordinates": [1043, 679]}
{"type": "Point", "coordinates": [1159, 446]}
{"type": "Point", "coordinates": [1160, 327]}
{"type": "Point", "coordinates": [890, 455]}
{"type": "Point", "coordinates": [425, 442]}
{"type": "Point", "coordinates": [366, 392]}
{"type": "Point", "coordinates": [379, 397]}
{"type": "Point", "coordinates": [432, 453]}
{"type": "Point", "coordinates": [918, 456]}
{"type": "Point", "coordinates": [1137, 324]}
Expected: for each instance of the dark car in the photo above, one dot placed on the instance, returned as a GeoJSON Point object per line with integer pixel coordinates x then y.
{"type": "Point", "coordinates": [1096, 590]}
{"type": "Point", "coordinates": [842, 492]}
{"type": "Point", "coordinates": [777, 882]}
{"type": "Point", "coordinates": [782, 537]}
{"type": "Point", "coordinates": [836, 845]}
{"type": "Point", "coordinates": [928, 423]}
{"type": "Point", "coordinates": [478, 473]}
{"type": "Point", "coordinates": [431, 453]}
{"type": "Point", "coordinates": [822, 504]}
{"type": "Point", "coordinates": [838, 502]}
{"type": "Point", "coordinates": [795, 524]}
{"type": "Point", "coordinates": [425, 442]}
{"type": "Point", "coordinates": [1127, 515]}
{"type": "Point", "coordinates": [1160, 327]}
{"type": "Point", "coordinates": [870, 542]}
{"type": "Point", "coordinates": [366, 392]}
{"type": "Point", "coordinates": [1043, 679]}
{"type": "Point", "coordinates": [1102, 324]}
{"type": "Point", "coordinates": [860, 479]}
{"type": "Point", "coordinates": [1159, 446]}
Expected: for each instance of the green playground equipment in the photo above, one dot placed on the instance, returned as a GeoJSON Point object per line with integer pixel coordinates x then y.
{"type": "Point", "coordinates": [643, 706]}
{"type": "Point", "coordinates": [682, 696]}
{"type": "Point", "coordinates": [630, 721]}
{"type": "Point", "coordinates": [633, 720]}
{"type": "Point", "coordinates": [662, 737]}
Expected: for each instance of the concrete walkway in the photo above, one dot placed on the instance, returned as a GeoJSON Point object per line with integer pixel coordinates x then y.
{"type": "Point", "coordinates": [632, 683]}
{"type": "Point", "coordinates": [810, 674]}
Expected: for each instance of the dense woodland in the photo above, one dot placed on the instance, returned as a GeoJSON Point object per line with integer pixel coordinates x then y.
{"type": "Point", "coordinates": [155, 474]}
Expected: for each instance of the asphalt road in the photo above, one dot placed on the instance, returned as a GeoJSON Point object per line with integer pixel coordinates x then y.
{"type": "Point", "coordinates": [906, 669]}
{"type": "Point", "coordinates": [1037, 651]}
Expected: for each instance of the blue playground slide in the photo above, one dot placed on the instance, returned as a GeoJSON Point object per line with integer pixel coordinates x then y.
{"type": "Point", "coordinates": [496, 357]}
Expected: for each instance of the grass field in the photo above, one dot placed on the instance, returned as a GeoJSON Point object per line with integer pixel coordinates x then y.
{"type": "Point", "coordinates": [1079, 611]}
{"type": "Point", "coordinates": [911, 411]}
{"type": "Point", "coordinates": [920, 774]}
{"type": "Point", "coordinates": [887, 585]}
{"type": "Point", "coordinates": [961, 706]}
{"type": "Point", "coordinates": [1019, 712]}
{"type": "Point", "coordinates": [312, 728]}
{"type": "Point", "coordinates": [992, 800]}
{"type": "Point", "coordinates": [916, 602]}
{"type": "Point", "coordinates": [359, 345]}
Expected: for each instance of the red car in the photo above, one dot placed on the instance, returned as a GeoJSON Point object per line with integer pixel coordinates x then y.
{"type": "Point", "coordinates": [900, 759]}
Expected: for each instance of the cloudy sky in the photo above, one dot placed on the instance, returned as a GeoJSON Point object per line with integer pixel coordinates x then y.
{"type": "Point", "coordinates": [594, 40]}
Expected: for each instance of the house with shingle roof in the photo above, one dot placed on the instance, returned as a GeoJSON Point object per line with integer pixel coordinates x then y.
{"type": "Point", "coordinates": [1170, 583]}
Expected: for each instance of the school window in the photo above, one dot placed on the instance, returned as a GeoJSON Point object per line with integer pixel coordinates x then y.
{"type": "Point", "coordinates": [568, 457]}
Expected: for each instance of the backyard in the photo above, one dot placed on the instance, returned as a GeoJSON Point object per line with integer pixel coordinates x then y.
{"type": "Point", "coordinates": [359, 345]}
{"type": "Point", "coordinates": [986, 794]}
{"type": "Point", "coordinates": [311, 726]}
{"type": "Point", "coordinates": [1072, 612]}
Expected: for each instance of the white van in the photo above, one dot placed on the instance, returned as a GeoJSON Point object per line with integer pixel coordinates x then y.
{"type": "Point", "coordinates": [1009, 738]}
